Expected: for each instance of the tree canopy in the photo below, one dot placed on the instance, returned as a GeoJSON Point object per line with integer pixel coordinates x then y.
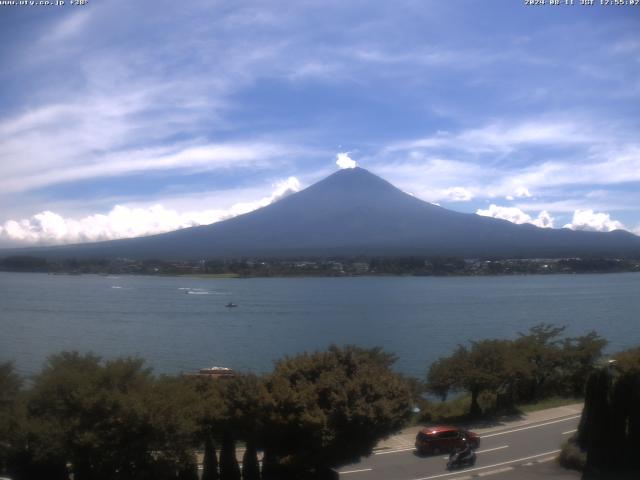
{"type": "Point", "coordinates": [537, 364]}
{"type": "Point", "coordinates": [330, 408]}
{"type": "Point", "coordinates": [109, 420]}
{"type": "Point", "coordinates": [113, 419]}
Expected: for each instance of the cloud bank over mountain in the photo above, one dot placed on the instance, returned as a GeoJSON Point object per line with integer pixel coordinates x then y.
{"type": "Point", "coordinates": [584, 220]}
{"type": "Point", "coordinates": [594, 222]}
{"type": "Point", "coordinates": [515, 215]}
{"type": "Point", "coordinates": [49, 228]}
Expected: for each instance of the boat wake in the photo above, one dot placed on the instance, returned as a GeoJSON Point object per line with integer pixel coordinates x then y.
{"type": "Point", "coordinates": [200, 291]}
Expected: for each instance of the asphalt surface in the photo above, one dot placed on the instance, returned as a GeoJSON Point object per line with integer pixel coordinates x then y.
{"type": "Point", "coordinates": [517, 451]}
{"type": "Point", "coordinates": [530, 471]}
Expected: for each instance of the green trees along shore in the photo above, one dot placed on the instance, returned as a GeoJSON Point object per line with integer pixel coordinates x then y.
{"type": "Point", "coordinates": [538, 364]}
{"type": "Point", "coordinates": [113, 419]}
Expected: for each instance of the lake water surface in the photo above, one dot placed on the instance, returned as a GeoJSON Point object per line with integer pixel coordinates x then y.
{"type": "Point", "coordinates": [181, 324]}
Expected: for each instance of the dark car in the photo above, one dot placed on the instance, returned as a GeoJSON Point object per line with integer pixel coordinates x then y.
{"type": "Point", "coordinates": [442, 438]}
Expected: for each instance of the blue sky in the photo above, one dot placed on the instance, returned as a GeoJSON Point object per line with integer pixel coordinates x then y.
{"type": "Point", "coordinates": [128, 118]}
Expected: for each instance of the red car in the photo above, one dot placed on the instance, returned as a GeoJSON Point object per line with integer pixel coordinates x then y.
{"type": "Point", "coordinates": [442, 438]}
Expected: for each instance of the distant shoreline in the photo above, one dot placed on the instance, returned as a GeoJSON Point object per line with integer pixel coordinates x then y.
{"type": "Point", "coordinates": [324, 267]}
{"type": "Point", "coordinates": [370, 275]}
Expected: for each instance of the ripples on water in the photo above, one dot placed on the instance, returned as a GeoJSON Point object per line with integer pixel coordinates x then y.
{"type": "Point", "coordinates": [182, 324]}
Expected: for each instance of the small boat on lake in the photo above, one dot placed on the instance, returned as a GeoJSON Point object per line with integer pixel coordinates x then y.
{"type": "Point", "coordinates": [212, 373]}
{"type": "Point", "coordinates": [231, 305]}
{"type": "Point", "coordinates": [216, 371]}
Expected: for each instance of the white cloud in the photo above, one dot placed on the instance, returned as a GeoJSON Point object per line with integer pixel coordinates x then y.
{"type": "Point", "coordinates": [554, 158]}
{"type": "Point", "coordinates": [528, 133]}
{"type": "Point", "coordinates": [343, 160]}
{"type": "Point", "coordinates": [431, 179]}
{"type": "Point", "coordinates": [544, 220]}
{"type": "Point", "coordinates": [520, 192]}
{"type": "Point", "coordinates": [37, 149]}
{"type": "Point", "coordinates": [124, 221]}
{"type": "Point", "coordinates": [164, 118]}
{"type": "Point", "coordinates": [593, 222]}
{"type": "Point", "coordinates": [503, 137]}
{"type": "Point", "coordinates": [458, 194]}
{"type": "Point", "coordinates": [602, 164]}
{"type": "Point", "coordinates": [200, 157]}
{"type": "Point", "coordinates": [515, 215]}
{"type": "Point", "coordinates": [285, 188]}
{"type": "Point", "coordinates": [70, 26]}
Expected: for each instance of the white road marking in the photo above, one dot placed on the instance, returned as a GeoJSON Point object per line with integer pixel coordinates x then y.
{"type": "Point", "coordinates": [490, 466]}
{"type": "Point", "coordinates": [487, 450]}
{"type": "Point", "coordinates": [399, 450]}
{"type": "Point", "coordinates": [530, 427]}
{"type": "Point", "coordinates": [544, 460]}
{"type": "Point", "coordinates": [356, 471]}
{"type": "Point", "coordinates": [493, 472]}
{"type": "Point", "coordinates": [492, 449]}
{"type": "Point", "coordinates": [569, 431]}
{"type": "Point", "coordinates": [395, 451]}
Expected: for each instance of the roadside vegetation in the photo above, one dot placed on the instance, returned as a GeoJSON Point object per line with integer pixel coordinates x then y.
{"type": "Point", "coordinates": [607, 442]}
{"type": "Point", "coordinates": [500, 375]}
{"type": "Point", "coordinates": [456, 410]}
{"type": "Point", "coordinates": [114, 419]}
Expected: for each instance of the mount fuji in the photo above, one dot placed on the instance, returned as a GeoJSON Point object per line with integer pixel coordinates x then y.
{"type": "Point", "coordinates": [354, 212]}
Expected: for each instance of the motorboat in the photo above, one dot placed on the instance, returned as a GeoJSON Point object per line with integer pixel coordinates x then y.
{"type": "Point", "coordinates": [212, 373]}
{"type": "Point", "coordinates": [216, 371]}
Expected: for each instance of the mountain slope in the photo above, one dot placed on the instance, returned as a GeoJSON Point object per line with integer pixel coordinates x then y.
{"type": "Point", "coordinates": [355, 212]}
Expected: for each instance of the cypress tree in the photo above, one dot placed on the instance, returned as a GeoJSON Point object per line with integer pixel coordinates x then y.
{"type": "Point", "coordinates": [633, 426]}
{"type": "Point", "coordinates": [229, 468]}
{"type": "Point", "coordinates": [188, 470]}
{"type": "Point", "coordinates": [269, 466]}
{"type": "Point", "coordinates": [620, 409]}
{"type": "Point", "coordinates": [609, 429]}
{"type": "Point", "coordinates": [594, 424]}
{"type": "Point", "coordinates": [250, 466]}
{"type": "Point", "coordinates": [210, 461]}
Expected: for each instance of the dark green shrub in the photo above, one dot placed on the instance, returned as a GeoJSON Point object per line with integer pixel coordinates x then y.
{"type": "Point", "coordinates": [572, 457]}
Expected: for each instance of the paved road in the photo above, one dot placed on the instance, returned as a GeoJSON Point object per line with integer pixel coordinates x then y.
{"type": "Point", "coordinates": [510, 452]}
{"type": "Point", "coordinates": [546, 470]}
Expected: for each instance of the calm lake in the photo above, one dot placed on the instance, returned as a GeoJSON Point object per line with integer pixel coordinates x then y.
{"type": "Point", "coordinates": [181, 324]}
